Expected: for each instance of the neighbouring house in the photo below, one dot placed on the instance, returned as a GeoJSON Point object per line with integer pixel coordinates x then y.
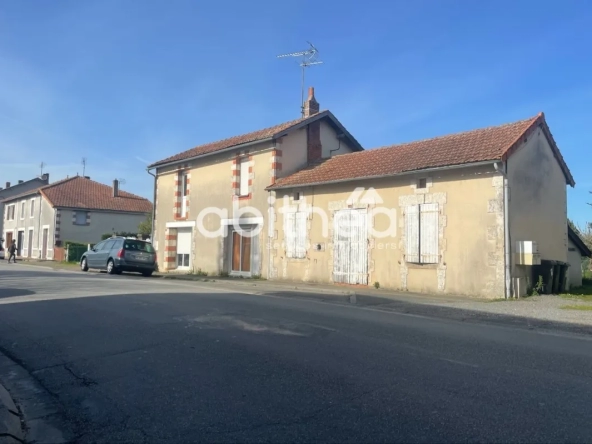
{"type": "Point", "coordinates": [577, 251]}
{"type": "Point", "coordinates": [75, 209]}
{"type": "Point", "coordinates": [479, 213]}
{"type": "Point", "coordinates": [19, 188]}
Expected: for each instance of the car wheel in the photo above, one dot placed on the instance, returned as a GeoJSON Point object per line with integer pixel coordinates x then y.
{"type": "Point", "coordinates": [147, 273]}
{"type": "Point", "coordinates": [111, 267]}
{"type": "Point", "coordinates": [83, 264]}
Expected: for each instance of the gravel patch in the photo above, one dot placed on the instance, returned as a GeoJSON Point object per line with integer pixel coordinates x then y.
{"type": "Point", "coordinates": [545, 307]}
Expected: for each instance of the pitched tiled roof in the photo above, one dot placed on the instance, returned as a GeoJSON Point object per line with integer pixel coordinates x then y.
{"type": "Point", "coordinates": [255, 136]}
{"type": "Point", "coordinates": [80, 192]}
{"type": "Point", "coordinates": [487, 144]}
{"type": "Point", "coordinates": [577, 240]}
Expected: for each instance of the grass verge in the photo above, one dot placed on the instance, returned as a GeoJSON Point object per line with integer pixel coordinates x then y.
{"type": "Point", "coordinates": [577, 307]}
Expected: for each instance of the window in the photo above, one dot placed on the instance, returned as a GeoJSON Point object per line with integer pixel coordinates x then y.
{"type": "Point", "coordinates": [421, 224]}
{"type": "Point", "coordinates": [32, 208]}
{"type": "Point", "coordinates": [23, 210]}
{"type": "Point", "coordinates": [80, 218]}
{"type": "Point", "coordinates": [184, 193]}
{"type": "Point", "coordinates": [422, 183]}
{"type": "Point", "coordinates": [108, 246]}
{"type": "Point", "coordinates": [244, 177]}
{"type": "Point", "coordinates": [183, 260]}
{"type": "Point", "coordinates": [99, 246]}
{"type": "Point", "coordinates": [297, 195]}
{"type": "Point", "coordinates": [10, 209]}
{"type": "Point", "coordinates": [295, 234]}
{"type": "Point", "coordinates": [138, 245]}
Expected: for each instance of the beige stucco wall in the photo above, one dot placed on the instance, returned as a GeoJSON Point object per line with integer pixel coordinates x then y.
{"type": "Point", "coordinates": [538, 201]}
{"type": "Point", "coordinates": [210, 187]}
{"type": "Point", "coordinates": [43, 217]}
{"type": "Point", "coordinates": [470, 230]}
{"type": "Point", "coordinates": [574, 258]}
{"type": "Point", "coordinates": [101, 222]}
{"type": "Point", "coordinates": [332, 146]}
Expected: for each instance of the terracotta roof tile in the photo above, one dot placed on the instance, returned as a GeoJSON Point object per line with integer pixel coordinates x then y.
{"type": "Point", "coordinates": [493, 143]}
{"type": "Point", "coordinates": [232, 141]}
{"type": "Point", "coordinates": [80, 192]}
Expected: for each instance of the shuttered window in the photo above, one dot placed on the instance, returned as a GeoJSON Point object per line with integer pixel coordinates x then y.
{"type": "Point", "coordinates": [244, 177]}
{"type": "Point", "coordinates": [295, 234]}
{"type": "Point", "coordinates": [421, 231]}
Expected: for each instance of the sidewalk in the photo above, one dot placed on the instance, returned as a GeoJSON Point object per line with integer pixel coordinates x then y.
{"type": "Point", "coordinates": [11, 430]}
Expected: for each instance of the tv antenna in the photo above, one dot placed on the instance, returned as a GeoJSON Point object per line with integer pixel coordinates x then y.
{"type": "Point", "coordinates": [309, 57]}
{"type": "Point", "coordinates": [42, 165]}
{"type": "Point", "coordinates": [121, 181]}
{"type": "Point", "coordinates": [83, 166]}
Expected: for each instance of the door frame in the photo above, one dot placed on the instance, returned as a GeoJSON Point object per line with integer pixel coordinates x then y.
{"type": "Point", "coordinates": [20, 245]}
{"type": "Point", "coordinates": [188, 267]}
{"type": "Point", "coordinates": [351, 273]}
{"type": "Point", "coordinates": [44, 241]}
{"type": "Point", "coordinates": [232, 231]}
{"type": "Point", "coordinates": [30, 237]}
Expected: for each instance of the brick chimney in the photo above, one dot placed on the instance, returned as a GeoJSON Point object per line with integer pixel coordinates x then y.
{"type": "Point", "coordinates": [115, 188]}
{"type": "Point", "coordinates": [311, 106]}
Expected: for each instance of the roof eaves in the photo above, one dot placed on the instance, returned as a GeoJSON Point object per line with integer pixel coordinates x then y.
{"type": "Point", "coordinates": [199, 156]}
{"type": "Point", "coordinates": [336, 124]}
{"type": "Point", "coordinates": [540, 120]}
{"type": "Point", "coordinates": [576, 239]}
{"type": "Point", "coordinates": [20, 196]}
{"type": "Point", "coordinates": [381, 176]}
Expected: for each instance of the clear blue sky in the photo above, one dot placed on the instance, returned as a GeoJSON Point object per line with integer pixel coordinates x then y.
{"type": "Point", "coordinates": [125, 82]}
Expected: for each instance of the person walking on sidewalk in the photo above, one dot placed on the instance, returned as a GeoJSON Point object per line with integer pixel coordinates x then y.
{"type": "Point", "coordinates": [12, 252]}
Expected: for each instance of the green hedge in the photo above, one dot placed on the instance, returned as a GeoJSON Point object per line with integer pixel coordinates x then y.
{"type": "Point", "coordinates": [108, 235]}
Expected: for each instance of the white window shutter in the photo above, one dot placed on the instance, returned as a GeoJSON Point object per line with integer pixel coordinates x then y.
{"type": "Point", "coordinates": [300, 230]}
{"type": "Point", "coordinates": [429, 233]}
{"type": "Point", "coordinates": [289, 234]}
{"type": "Point", "coordinates": [244, 177]}
{"type": "Point", "coordinates": [412, 233]}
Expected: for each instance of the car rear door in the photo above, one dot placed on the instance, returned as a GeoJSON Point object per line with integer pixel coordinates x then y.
{"type": "Point", "coordinates": [102, 255]}
{"type": "Point", "coordinates": [91, 255]}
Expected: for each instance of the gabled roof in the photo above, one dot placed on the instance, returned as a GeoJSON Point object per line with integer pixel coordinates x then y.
{"type": "Point", "coordinates": [81, 192]}
{"type": "Point", "coordinates": [42, 180]}
{"type": "Point", "coordinates": [578, 242]}
{"type": "Point", "coordinates": [273, 132]}
{"type": "Point", "coordinates": [481, 145]}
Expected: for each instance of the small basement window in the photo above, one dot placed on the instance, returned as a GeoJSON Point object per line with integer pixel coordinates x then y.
{"type": "Point", "coordinates": [422, 183]}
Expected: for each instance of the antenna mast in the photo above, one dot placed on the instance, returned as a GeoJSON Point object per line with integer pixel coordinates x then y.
{"type": "Point", "coordinates": [42, 166]}
{"type": "Point", "coordinates": [309, 58]}
{"type": "Point", "coordinates": [83, 166]}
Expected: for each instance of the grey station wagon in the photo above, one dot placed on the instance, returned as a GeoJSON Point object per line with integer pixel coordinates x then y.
{"type": "Point", "coordinates": [119, 254]}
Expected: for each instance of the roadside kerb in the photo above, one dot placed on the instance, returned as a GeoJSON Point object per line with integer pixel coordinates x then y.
{"type": "Point", "coordinates": [11, 430]}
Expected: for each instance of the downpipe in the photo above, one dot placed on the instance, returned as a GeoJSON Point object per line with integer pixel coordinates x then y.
{"type": "Point", "coordinates": [502, 169]}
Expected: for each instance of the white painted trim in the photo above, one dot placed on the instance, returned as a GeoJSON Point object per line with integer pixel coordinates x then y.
{"type": "Point", "coordinates": [246, 220]}
{"type": "Point", "coordinates": [183, 224]}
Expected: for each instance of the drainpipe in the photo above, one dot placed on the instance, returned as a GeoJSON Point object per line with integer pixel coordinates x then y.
{"type": "Point", "coordinates": [39, 248]}
{"type": "Point", "coordinates": [502, 169]}
{"type": "Point", "coordinates": [153, 207]}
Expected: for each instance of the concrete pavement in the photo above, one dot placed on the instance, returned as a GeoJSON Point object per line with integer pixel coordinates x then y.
{"type": "Point", "coordinates": [124, 361]}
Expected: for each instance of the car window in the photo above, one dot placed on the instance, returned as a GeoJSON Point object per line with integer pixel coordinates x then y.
{"type": "Point", "coordinates": [117, 245]}
{"type": "Point", "coordinates": [99, 246]}
{"type": "Point", "coordinates": [108, 245]}
{"type": "Point", "coordinates": [137, 245]}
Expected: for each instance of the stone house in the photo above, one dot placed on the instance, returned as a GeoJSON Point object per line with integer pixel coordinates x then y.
{"type": "Point", "coordinates": [473, 213]}
{"type": "Point", "coordinates": [10, 190]}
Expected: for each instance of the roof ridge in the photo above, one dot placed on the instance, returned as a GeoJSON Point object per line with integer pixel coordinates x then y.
{"type": "Point", "coordinates": [450, 135]}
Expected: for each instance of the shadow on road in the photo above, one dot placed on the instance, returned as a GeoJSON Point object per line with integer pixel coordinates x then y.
{"type": "Point", "coordinates": [14, 292]}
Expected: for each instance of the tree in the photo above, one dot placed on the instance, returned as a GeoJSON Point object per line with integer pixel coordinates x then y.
{"type": "Point", "coordinates": [145, 227]}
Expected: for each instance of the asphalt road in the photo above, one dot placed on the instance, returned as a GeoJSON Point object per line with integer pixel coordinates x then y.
{"type": "Point", "coordinates": [143, 360]}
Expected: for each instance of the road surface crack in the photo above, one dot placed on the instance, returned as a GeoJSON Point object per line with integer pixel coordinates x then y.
{"type": "Point", "coordinates": [86, 382]}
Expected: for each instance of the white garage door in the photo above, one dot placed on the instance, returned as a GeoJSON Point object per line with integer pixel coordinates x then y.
{"type": "Point", "coordinates": [350, 247]}
{"type": "Point", "coordinates": [183, 248]}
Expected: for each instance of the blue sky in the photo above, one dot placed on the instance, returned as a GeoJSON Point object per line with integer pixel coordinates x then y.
{"type": "Point", "coordinates": [126, 82]}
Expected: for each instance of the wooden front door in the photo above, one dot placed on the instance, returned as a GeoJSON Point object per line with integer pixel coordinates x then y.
{"type": "Point", "coordinates": [350, 243]}
{"type": "Point", "coordinates": [8, 240]}
{"type": "Point", "coordinates": [241, 253]}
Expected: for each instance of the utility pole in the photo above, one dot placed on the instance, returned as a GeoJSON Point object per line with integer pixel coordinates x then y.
{"type": "Point", "coordinates": [309, 57]}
